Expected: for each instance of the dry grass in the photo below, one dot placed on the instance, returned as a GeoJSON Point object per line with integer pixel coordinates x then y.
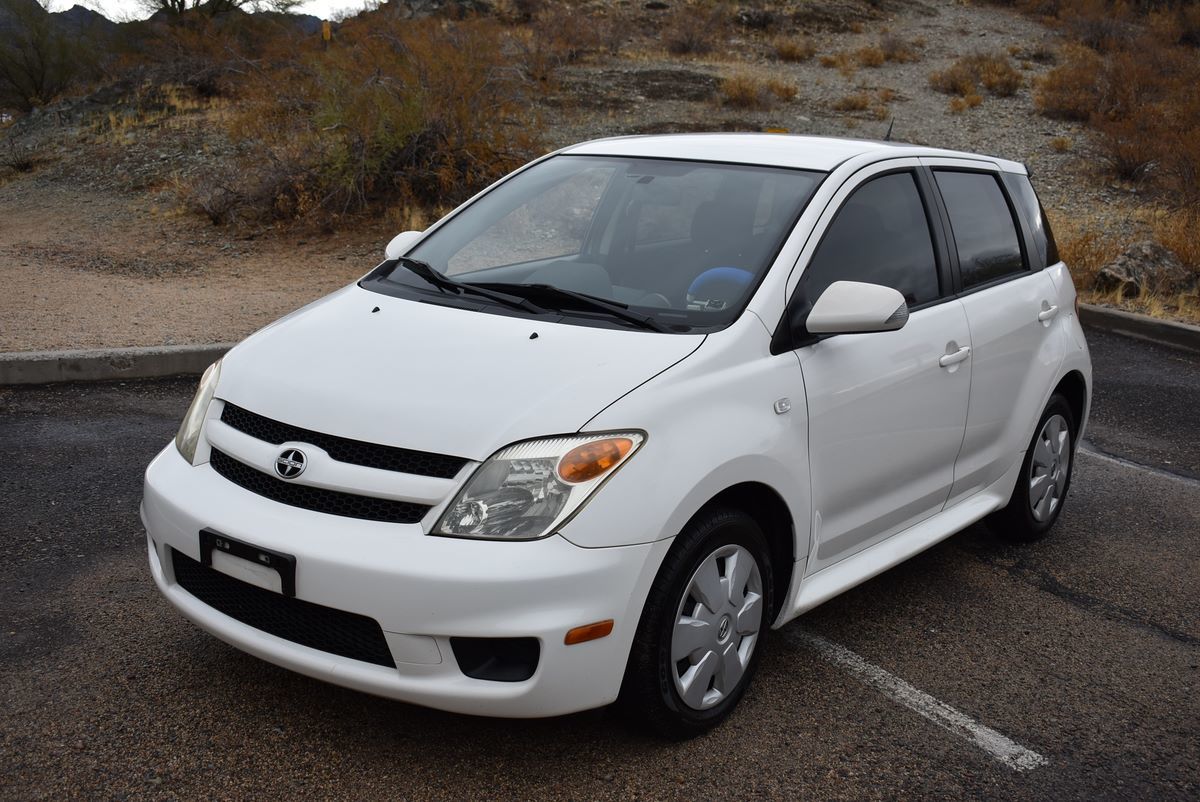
{"type": "Point", "coordinates": [744, 91]}
{"type": "Point", "coordinates": [897, 50]}
{"type": "Point", "coordinates": [870, 57]}
{"type": "Point", "coordinates": [843, 62]}
{"type": "Point", "coordinates": [859, 101]}
{"type": "Point", "coordinates": [968, 101]}
{"type": "Point", "coordinates": [964, 78]}
{"type": "Point", "coordinates": [1060, 144]}
{"type": "Point", "coordinates": [692, 31]}
{"type": "Point", "coordinates": [793, 50]}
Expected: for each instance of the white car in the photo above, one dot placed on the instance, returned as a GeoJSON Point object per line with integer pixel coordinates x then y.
{"type": "Point", "coordinates": [593, 434]}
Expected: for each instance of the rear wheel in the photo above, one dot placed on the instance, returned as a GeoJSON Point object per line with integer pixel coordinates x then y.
{"type": "Point", "coordinates": [701, 632]}
{"type": "Point", "coordinates": [1041, 489]}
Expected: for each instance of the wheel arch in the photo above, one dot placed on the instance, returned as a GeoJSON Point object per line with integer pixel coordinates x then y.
{"type": "Point", "coordinates": [768, 509]}
{"type": "Point", "coordinates": [1073, 387]}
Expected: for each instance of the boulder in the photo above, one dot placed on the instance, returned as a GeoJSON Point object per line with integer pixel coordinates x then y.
{"type": "Point", "coordinates": [1145, 267]}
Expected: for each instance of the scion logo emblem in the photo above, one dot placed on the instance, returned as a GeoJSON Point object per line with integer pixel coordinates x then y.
{"type": "Point", "coordinates": [290, 463]}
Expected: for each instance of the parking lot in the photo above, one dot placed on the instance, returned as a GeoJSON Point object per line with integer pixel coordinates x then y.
{"type": "Point", "coordinates": [1083, 650]}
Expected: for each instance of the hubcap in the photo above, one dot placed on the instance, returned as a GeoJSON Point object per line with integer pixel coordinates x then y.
{"type": "Point", "coordinates": [716, 627]}
{"type": "Point", "coordinates": [1049, 468]}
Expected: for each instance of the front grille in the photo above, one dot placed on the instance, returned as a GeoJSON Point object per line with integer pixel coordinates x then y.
{"type": "Point", "coordinates": [335, 631]}
{"type": "Point", "coordinates": [317, 499]}
{"type": "Point", "coordinates": [343, 449]}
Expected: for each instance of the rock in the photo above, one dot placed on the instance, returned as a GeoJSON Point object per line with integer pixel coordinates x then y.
{"type": "Point", "coordinates": [1145, 267]}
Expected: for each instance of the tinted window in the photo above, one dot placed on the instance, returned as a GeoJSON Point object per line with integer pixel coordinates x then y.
{"type": "Point", "coordinates": [1026, 199]}
{"type": "Point", "coordinates": [880, 236]}
{"type": "Point", "coordinates": [983, 226]}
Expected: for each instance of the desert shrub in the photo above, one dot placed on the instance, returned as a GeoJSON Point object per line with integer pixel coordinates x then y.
{"type": "Point", "coordinates": [898, 50]}
{"type": "Point", "coordinates": [968, 101]}
{"type": "Point", "coordinates": [1178, 230]}
{"type": "Point", "coordinates": [693, 31]}
{"type": "Point", "coordinates": [993, 71]}
{"type": "Point", "coordinates": [793, 49]}
{"type": "Point", "coordinates": [859, 101]}
{"type": "Point", "coordinates": [38, 61]}
{"type": "Point", "coordinates": [421, 112]}
{"type": "Point", "coordinates": [1060, 144]}
{"type": "Point", "coordinates": [745, 91]}
{"type": "Point", "coordinates": [1070, 91]}
{"type": "Point", "coordinates": [1085, 253]}
{"type": "Point", "coordinates": [841, 61]}
{"type": "Point", "coordinates": [869, 56]}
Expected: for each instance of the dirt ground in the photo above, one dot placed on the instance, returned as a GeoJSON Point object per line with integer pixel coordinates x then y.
{"type": "Point", "coordinates": [94, 253]}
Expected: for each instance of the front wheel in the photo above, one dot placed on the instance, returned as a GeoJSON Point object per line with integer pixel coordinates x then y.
{"type": "Point", "coordinates": [1045, 477]}
{"type": "Point", "coordinates": [701, 632]}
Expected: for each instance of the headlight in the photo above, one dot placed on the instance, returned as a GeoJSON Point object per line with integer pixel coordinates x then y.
{"type": "Point", "coordinates": [189, 430]}
{"type": "Point", "coordinates": [525, 491]}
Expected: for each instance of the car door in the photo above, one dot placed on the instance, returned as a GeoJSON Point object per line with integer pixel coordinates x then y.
{"type": "Point", "coordinates": [886, 410]}
{"type": "Point", "coordinates": [1011, 307]}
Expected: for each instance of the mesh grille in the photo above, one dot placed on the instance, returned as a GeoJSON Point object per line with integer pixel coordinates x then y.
{"type": "Point", "coordinates": [343, 449]}
{"type": "Point", "coordinates": [317, 499]}
{"type": "Point", "coordinates": [334, 631]}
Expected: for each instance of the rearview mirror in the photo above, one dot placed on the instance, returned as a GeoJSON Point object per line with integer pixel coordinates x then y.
{"type": "Point", "coordinates": [854, 307]}
{"type": "Point", "coordinates": [401, 243]}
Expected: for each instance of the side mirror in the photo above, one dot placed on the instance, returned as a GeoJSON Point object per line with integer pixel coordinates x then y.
{"type": "Point", "coordinates": [854, 307]}
{"type": "Point", "coordinates": [401, 243]}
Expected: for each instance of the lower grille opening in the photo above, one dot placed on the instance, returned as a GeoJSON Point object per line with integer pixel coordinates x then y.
{"type": "Point", "coordinates": [335, 631]}
{"type": "Point", "coordinates": [497, 659]}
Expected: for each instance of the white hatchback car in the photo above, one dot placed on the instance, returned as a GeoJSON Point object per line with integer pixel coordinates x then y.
{"type": "Point", "coordinates": [593, 434]}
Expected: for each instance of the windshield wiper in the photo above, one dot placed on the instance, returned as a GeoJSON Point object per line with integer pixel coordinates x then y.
{"type": "Point", "coordinates": [551, 294]}
{"type": "Point", "coordinates": [444, 283]}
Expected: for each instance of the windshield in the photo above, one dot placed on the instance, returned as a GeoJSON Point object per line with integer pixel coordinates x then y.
{"type": "Point", "coordinates": [683, 243]}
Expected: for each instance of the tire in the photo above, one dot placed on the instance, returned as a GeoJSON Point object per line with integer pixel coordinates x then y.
{"type": "Point", "coordinates": [1033, 508]}
{"type": "Point", "coordinates": [656, 692]}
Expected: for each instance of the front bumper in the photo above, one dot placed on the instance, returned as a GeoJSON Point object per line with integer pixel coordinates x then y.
{"type": "Point", "coordinates": [421, 590]}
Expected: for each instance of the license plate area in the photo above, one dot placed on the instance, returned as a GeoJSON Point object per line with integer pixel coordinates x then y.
{"type": "Point", "coordinates": [223, 548]}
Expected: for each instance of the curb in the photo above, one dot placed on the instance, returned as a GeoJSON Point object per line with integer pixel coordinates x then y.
{"type": "Point", "coordinates": [114, 364]}
{"type": "Point", "coordinates": [1141, 327]}
{"type": "Point", "coordinates": [107, 364]}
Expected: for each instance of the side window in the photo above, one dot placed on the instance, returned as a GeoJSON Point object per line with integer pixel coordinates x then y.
{"type": "Point", "coordinates": [880, 236]}
{"type": "Point", "coordinates": [1026, 199]}
{"type": "Point", "coordinates": [983, 226]}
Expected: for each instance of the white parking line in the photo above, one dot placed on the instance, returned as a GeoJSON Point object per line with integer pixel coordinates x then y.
{"type": "Point", "coordinates": [1002, 748]}
{"type": "Point", "coordinates": [1088, 449]}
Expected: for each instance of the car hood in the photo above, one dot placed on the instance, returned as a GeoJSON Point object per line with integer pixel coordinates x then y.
{"type": "Point", "coordinates": [434, 378]}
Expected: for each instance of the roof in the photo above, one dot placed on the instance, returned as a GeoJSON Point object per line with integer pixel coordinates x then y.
{"type": "Point", "coordinates": [779, 150]}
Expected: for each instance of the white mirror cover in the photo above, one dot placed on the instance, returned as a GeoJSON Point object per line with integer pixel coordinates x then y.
{"type": "Point", "coordinates": [848, 307]}
{"type": "Point", "coordinates": [401, 243]}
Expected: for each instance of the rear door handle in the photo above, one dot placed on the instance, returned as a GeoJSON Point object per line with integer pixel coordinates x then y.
{"type": "Point", "coordinates": [955, 357]}
{"type": "Point", "coordinates": [1047, 312]}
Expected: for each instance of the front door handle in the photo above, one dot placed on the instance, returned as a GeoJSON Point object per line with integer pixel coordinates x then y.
{"type": "Point", "coordinates": [1047, 312]}
{"type": "Point", "coordinates": [955, 357]}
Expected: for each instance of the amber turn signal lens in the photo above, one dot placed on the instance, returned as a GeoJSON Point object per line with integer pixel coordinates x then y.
{"type": "Point", "coordinates": [589, 632]}
{"type": "Point", "coordinates": [592, 459]}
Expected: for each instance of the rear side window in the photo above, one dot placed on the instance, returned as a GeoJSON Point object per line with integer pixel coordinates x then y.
{"type": "Point", "coordinates": [983, 226]}
{"type": "Point", "coordinates": [880, 236]}
{"type": "Point", "coordinates": [1026, 199]}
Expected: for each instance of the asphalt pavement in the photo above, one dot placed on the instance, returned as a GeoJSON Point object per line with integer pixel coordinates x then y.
{"type": "Point", "coordinates": [1083, 649]}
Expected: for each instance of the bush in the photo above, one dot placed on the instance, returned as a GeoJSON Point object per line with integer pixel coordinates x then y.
{"type": "Point", "coordinates": [869, 56]}
{"type": "Point", "coordinates": [897, 50]}
{"type": "Point", "coordinates": [794, 50]}
{"type": "Point", "coordinates": [420, 112]}
{"type": "Point", "coordinates": [962, 78]}
{"type": "Point", "coordinates": [38, 61]}
{"type": "Point", "coordinates": [748, 92]}
{"type": "Point", "coordinates": [691, 31]}
{"type": "Point", "coordinates": [859, 101]}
